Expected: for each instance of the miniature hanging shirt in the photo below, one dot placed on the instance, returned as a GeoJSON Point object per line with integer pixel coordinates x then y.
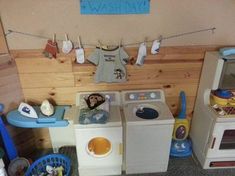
{"type": "Point", "coordinates": [110, 64]}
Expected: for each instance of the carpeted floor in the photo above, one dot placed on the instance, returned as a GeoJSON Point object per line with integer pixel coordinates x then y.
{"type": "Point", "coordinates": [176, 167]}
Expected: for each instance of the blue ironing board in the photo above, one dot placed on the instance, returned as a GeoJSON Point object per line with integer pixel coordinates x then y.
{"type": "Point", "coordinates": [56, 120]}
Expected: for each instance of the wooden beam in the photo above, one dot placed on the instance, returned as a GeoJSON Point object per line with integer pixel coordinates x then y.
{"type": "Point", "coordinates": [3, 43]}
{"type": "Point", "coordinates": [4, 52]}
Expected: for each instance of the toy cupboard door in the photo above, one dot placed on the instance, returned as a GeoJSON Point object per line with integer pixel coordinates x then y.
{"type": "Point", "coordinates": [222, 142]}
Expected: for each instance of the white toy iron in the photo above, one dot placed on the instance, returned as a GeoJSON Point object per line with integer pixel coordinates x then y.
{"type": "Point", "coordinates": [27, 110]}
{"type": "Point", "coordinates": [47, 108]}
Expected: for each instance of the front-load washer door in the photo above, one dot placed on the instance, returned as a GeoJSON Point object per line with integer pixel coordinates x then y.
{"type": "Point", "coordinates": [99, 146]}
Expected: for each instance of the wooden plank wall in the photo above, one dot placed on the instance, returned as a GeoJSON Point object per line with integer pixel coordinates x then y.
{"type": "Point", "coordinates": [3, 43]}
{"type": "Point", "coordinates": [11, 95]}
{"type": "Point", "coordinates": [4, 53]}
{"type": "Point", "coordinates": [173, 69]}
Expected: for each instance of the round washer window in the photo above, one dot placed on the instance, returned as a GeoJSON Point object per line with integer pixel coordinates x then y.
{"type": "Point", "coordinates": [146, 112]}
{"type": "Point", "coordinates": [99, 147]}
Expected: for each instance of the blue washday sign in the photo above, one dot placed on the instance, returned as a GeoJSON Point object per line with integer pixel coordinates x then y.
{"type": "Point", "coordinates": [114, 7]}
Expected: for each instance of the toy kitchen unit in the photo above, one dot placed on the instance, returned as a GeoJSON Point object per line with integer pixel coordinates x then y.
{"type": "Point", "coordinates": [213, 123]}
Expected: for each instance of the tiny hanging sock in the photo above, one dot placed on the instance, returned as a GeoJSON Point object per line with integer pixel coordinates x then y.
{"type": "Point", "coordinates": [67, 45]}
{"type": "Point", "coordinates": [51, 48]}
{"type": "Point", "coordinates": [79, 52]}
{"type": "Point", "coordinates": [142, 53]}
{"type": "Point", "coordinates": [156, 46]}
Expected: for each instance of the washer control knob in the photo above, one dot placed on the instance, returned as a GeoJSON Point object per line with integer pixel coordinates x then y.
{"type": "Point", "coordinates": [131, 96]}
{"type": "Point", "coordinates": [153, 95]}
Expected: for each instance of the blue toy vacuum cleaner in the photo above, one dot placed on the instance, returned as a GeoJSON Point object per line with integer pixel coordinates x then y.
{"type": "Point", "coordinates": [181, 145]}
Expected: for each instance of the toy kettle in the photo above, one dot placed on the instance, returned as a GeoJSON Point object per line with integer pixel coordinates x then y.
{"type": "Point", "coordinates": [47, 108]}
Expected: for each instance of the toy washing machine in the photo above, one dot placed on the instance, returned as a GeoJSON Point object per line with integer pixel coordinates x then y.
{"type": "Point", "coordinates": [148, 128]}
{"type": "Point", "coordinates": [99, 146]}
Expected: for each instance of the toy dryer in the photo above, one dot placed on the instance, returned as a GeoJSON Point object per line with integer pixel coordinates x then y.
{"type": "Point", "coordinates": [213, 124]}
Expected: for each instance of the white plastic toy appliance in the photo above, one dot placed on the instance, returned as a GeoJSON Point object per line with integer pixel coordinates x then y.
{"type": "Point", "coordinates": [27, 110]}
{"type": "Point", "coordinates": [47, 108]}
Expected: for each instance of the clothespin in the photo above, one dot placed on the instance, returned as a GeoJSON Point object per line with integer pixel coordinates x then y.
{"type": "Point", "coordinates": [120, 43]}
{"type": "Point", "coordinates": [160, 38]}
{"type": "Point", "coordinates": [66, 37]}
{"type": "Point", "coordinates": [79, 42]}
{"type": "Point", "coordinates": [53, 38]}
{"type": "Point", "coordinates": [145, 40]}
{"type": "Point", "coordinates": [102, 46]}
{"type": "Point", "coordinates": [213, 30]}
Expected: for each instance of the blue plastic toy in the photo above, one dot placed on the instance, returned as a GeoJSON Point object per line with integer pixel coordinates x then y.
{"type": "Point", "coordinates": [227, 51]}
{"type": "Point", "coordinates": [7, 141]}
{"type": "Point", "coordinates": [181, 146]}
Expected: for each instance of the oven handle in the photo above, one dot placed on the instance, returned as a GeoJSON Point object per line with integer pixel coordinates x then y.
{"type": "Point", "coordinates": [213, 142]}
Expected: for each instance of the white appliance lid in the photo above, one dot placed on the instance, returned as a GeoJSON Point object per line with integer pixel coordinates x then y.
{"type": "Point", "coordinates": [113, 120]}
{"type": "Point", "coordinates": [164, 114]}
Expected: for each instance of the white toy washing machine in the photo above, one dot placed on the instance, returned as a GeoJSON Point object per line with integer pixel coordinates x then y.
{"type": "Point", "coordinates": [99, 146]}
{"type": "Point", "coordinates": [148, 131]}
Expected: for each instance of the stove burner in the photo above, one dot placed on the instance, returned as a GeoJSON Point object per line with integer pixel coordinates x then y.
{"type": "Point", "coordinates": [146, 113]}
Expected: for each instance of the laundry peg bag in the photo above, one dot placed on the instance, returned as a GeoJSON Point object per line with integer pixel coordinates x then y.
{"type": "Point", "coordinates": [110, 64]}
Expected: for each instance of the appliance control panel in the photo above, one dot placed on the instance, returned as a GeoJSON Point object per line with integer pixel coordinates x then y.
{"type": "Point", "coordinates": [138, 96]}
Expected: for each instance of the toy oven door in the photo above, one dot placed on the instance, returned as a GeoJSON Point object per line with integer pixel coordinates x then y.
{"type": "Point", "coordinates": [222, 141]}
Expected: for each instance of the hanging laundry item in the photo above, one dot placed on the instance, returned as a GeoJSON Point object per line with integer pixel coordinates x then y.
{"type": "Point", "coordinates": [51, 48]}
{"type": "Point", "coordinates": [155, 46]}
{"type": "Point", "coordinates": [67, 45]}
{"type": "Point", "coordinates": [79, 52]}
{"type": "Point", "coordinates": [110, 64]}
{"type": "Point", "coordinates": [142, 53]}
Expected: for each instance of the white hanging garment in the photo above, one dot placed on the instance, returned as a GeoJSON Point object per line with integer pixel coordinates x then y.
{"type": "Point", "coordinates": [155, 46]}
{"type": "Point", "coordinates": [142, 53]}
{"type": "Point", "coordinates": [79, 52]}
{"type": "Point", "coordinates": [67, 45]}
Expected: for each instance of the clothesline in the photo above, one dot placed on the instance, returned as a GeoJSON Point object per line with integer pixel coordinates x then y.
{"type": "Point", "coordinates": [10, 31]}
